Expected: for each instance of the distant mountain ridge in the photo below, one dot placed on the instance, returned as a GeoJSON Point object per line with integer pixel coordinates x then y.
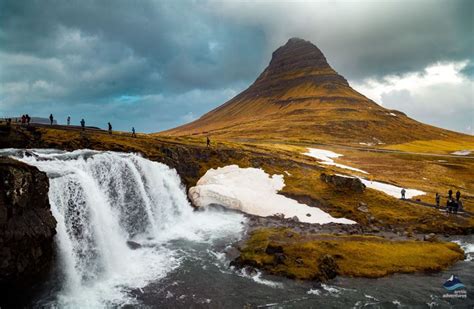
{"type": "Point", "coordinates": [299, 96]}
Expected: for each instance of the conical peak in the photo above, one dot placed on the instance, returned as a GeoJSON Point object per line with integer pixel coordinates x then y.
{"type": "Point", "coordinates": [298, 54]}
{"type": "Point", "coordinates": [297, 62]}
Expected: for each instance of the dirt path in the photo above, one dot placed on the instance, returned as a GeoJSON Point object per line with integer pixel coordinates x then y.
{"type": "Point", "coordinates": [461, 213]}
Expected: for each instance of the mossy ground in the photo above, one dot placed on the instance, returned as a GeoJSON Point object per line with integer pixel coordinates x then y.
{"type": "Point", "coordinates": [355, 256]}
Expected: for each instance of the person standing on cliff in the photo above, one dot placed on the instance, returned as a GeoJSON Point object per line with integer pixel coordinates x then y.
{"type": "Point", "coordinates": [110, 128]}
{"type": "Point", "coordinates": [403, 193]}
{"type": "Point", "coordinates": [458, 195]}
{"type": "Point", "coordinates": [83, 124]}
{"type": "Point", "coordinates": [133, 132]}
{"type": "Point", "coordinates": [450, 194]}
{"type": "Point", "coordinates": [68, 120]}
{"type": "Point", "coordinates": [437, 199]}
{"type": "Point", "coordinates": [51, 118]}
{"type": "Point", "coordinates": [208, 142]}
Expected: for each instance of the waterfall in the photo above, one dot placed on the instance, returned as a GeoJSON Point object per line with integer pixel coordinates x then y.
{"type": "Point", "coordinates": [104, 200]}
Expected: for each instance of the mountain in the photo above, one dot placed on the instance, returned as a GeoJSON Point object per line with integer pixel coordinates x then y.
{"type": "Point", "coordinates": [299, 96]}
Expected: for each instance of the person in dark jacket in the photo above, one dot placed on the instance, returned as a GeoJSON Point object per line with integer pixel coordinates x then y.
{"type": "Point", "coordinates": [28, 120]}
{"type": "Point", "coordinates": [449, 205]}
{"type": "Point", "coordinates": [458, 195]}
{"type": "Point", "coordinates": [133, 132]}
{"type": "Point", "coordinates": [83, 124]}
{"type": "Point", "coordinates": [450, 193]}
{"type": "Point", "coordinates": [437, 199]}
{"type": "Point", "coordinates": [68, 120]}
{"type": "Point", "coordinates": [51, 118]}
{"type": "Point", "coordinates": [110, 128]}
{"type": "Point", "coordinates": [403, 193]}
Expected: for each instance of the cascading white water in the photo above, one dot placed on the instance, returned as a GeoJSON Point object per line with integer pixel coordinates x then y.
{"type": "Point", "coordinates": [102, 200]}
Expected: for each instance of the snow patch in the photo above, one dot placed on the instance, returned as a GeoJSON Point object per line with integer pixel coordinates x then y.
{"type": "Point", "coordinates": [391, 189]}
{"type": "Point", "coordinates": [387, 188]}
{"type": "Point", "coordinates": [253, 191]}
{"type": "Point", "coordinates": [326, 157]}
{"type": "Point", "coordinates": [461, 153]}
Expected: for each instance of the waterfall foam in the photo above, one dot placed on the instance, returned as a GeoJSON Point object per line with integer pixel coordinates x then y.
{"type": "Point", "coordinates": [101, 201]}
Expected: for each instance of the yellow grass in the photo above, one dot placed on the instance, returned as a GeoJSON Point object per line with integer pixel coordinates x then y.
{"type": "Point", "coordinates": [436, 146]}
{"type": "Point", "coordinates": [357, 256]}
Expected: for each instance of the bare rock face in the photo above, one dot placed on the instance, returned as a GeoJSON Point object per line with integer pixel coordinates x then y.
{"type": "Point", "coordinates": [27, 225]}
{"type": "Point", "coordinates": [343, 183]}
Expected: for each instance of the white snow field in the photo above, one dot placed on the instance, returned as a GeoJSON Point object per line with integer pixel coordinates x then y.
{"type": "Point", "coordinates": [253, 191]}
{"type": "Point", "coordinates": [326, 157]}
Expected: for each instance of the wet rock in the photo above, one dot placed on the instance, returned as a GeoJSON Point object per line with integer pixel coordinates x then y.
{"type": "Point", "coordinates": [133, 245]}
{"type": "Point", "coordinates": [232, 253]}
{"type": "Point", "coordinates": [343, 183]}
{"type": "Point", "coordinates": [27, 226]}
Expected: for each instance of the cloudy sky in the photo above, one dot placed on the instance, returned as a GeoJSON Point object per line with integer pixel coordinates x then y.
{"type": "Point", "coordinates": [157, 64]}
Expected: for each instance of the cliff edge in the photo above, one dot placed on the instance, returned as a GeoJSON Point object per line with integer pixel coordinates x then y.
{"type": "Point", "coordinates": [27, 226]}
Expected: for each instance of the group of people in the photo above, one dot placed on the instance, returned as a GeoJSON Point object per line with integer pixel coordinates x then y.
{"type": "Point", "coordinates": [453, 204]}
{"type": "Point", "coordinates": [25, 120]}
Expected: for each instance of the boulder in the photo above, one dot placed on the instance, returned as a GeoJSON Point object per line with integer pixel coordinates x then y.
{"type": "Point", "coordinates": [27, 226]}
{"type": "Point", "coordinates": [363, 207]}
{"type": "Point", "coordinates": [133, 245]}
{"type": "Point", "coordinates": [430, 237]}
{"type": "Point", "coordinates": [328, 268]}
{"type": "Point", "coordinates": [343, 183]}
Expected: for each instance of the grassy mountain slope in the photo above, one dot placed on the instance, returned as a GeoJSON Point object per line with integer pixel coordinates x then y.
{"type": "Point", "coordinates": [299, 97]}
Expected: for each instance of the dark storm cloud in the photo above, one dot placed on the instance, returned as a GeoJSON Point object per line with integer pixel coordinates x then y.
{"type": "Point", "coordinates": [157, 64]}
{"type": "Point", "coordinates": [371, 38]}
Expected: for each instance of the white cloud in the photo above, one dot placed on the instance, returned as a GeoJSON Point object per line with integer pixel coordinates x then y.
{"type": "Point", "coordinates": [438, 74]}
{"type": "Point", "coordinates": [440, 95]}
